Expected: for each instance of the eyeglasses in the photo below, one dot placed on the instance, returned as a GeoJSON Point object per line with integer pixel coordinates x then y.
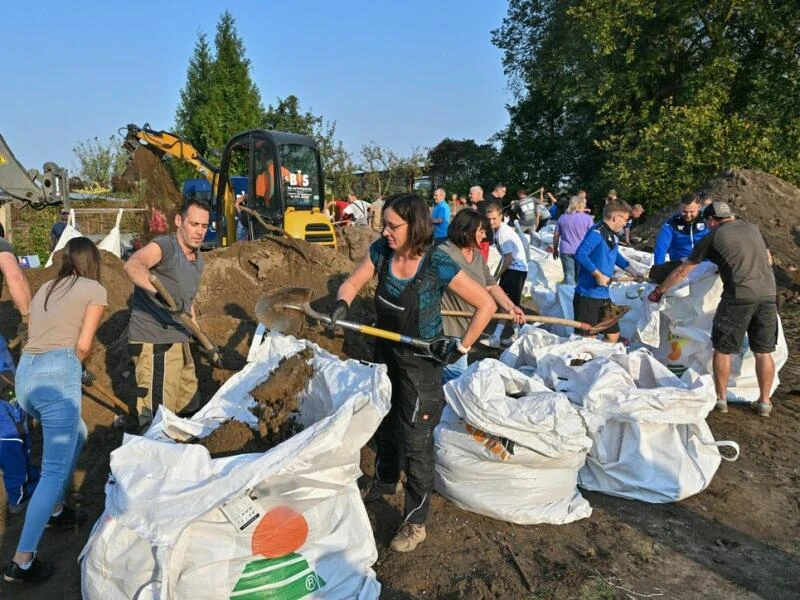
{"type": "Point", "coordinates": [392, 227]}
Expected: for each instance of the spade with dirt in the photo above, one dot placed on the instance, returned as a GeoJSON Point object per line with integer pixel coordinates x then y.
{"type": "Point", "coordinates": [283, 311]}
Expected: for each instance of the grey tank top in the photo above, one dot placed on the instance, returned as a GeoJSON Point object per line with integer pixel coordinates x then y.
{"type": "Point", "coordinates": [149, 322]}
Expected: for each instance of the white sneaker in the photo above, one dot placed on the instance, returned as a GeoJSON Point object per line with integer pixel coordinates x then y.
{"type": "Point", "coordinates": [506, 342]}
{"type": "Point", "coordinates": [491, 342]}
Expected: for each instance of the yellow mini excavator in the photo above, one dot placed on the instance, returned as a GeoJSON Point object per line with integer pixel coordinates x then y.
{"type": "Point", "coordinates": [292, 201]}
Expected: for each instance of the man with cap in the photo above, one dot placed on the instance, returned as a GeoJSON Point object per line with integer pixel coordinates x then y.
{"type": "Point", "coordinates": [748, 302]}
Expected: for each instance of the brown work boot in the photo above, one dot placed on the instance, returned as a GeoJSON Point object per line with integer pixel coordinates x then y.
{"type": "Point", "coordinates": [408, 537]}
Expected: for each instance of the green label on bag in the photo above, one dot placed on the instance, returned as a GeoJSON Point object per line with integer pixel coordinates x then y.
{"type": "Point", "coordinates": [285, 578]}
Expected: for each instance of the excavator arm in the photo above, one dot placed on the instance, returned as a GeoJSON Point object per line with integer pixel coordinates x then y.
{"type": "Point", "coordinates": [35, 189]}
{"type": "Point", "coordinates": [168, 143]}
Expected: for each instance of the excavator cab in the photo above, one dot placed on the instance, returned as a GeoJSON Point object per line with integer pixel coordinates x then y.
{"type": "Point", "coordinates": [284, 186]}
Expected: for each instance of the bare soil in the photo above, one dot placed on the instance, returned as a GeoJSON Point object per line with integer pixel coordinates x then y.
{"type": "Point", "coordinates": [738, 539]}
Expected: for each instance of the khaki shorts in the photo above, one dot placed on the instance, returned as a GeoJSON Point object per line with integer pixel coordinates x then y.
{"type": "Point", "coordinates": [164, 375]}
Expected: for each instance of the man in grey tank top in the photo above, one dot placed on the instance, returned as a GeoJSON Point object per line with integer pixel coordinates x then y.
{"type": "Point", "coordinates": [158, 342]}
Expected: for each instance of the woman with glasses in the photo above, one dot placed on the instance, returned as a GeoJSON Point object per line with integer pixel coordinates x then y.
{"type": "Point", "coordinates": [412, 278]}
{"type": "Point", "coordinates": [64, 317]}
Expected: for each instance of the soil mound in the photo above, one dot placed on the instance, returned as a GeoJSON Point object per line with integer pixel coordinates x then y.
{"type": "Point", "coordinates": [354, 241]}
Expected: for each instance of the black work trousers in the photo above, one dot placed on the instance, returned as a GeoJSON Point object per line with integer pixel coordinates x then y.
{"type": "Point", "coordinates": [405, 437]}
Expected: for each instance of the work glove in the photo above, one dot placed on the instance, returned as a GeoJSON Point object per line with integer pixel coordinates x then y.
{"type": "Point", "coordinates": [339, 311]}
{"type": "Point", "coordinates": [22, 331]}
{"type": "Point", "coordinates": [446, 350]}
{"type": "Point", "coordinates": [213, 354]}
{"type": "Point", "coordinates": [87, 377]}
{"type": "Point", "coordinates": [655, 295]}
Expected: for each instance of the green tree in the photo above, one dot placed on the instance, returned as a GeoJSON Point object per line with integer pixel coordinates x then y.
{"type": "Point", "coordinates": [219, 98]}
{"type": "Point", "coordinates": [650, 98]}
{"type": "Point", "coordinates": [459, 164]}
{"type": "Point", "coordinates": [100, 161]}
{"type": "Point", "coordinates": [386, 171]}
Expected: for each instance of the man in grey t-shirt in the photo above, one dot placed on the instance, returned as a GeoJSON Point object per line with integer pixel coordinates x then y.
{"type": "Point", "coordinates": [748, 302]}
{"type": "Point", "coordinates": [158, 342]}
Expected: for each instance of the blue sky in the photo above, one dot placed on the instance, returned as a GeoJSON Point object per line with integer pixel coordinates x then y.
{"type": "Point", "coordinates": [400, 74]}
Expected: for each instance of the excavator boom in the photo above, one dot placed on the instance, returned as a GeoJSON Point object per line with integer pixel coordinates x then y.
{"type": "Point", "coordinates": [168, 143]}
{"type": "Point", "coordinates": [31, 187]}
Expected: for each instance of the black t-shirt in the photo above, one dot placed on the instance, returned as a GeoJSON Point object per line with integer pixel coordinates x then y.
{"type": "Point", "coordinates": [738, 249]}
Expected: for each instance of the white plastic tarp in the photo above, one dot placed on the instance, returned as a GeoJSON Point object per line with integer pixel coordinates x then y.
{"type": "Point", "coordinates": [510, 448]}
{"type": "Point", "coordinates": [302, 531]}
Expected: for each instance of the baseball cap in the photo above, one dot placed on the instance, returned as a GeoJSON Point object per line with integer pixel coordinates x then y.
{"type": "Point", "coordinates": [718, 210]}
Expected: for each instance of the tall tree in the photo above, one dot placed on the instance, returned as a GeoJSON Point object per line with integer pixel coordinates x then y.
{"type": "Point", "coordinates": [195, 94]}
{"type": "Point", "coordinates": [652, 98]}
{"type": "Point", "coordinates": [386, 171]}
{"type": "Point", "coordinates": [459, 164]}
{"type": "Point", "coordinates": [219, 98]}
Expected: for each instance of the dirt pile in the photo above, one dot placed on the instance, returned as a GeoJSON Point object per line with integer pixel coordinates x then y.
{"type": "Point", "coordinates": [235, 278]}
{"type": "Point", "coordinates": [353, 241]}
{"type": "Point", "coordinates": [277, 404]}
{"type": "Point", "coordinates": [147, 177]}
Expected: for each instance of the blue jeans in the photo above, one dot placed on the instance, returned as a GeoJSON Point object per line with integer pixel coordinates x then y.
{"type": "Point", "coordinates": [568, 263]}
{"type": "Point", "coordinates": [48, 388]}
{"type": "Point", "coordinates": [455, 370]}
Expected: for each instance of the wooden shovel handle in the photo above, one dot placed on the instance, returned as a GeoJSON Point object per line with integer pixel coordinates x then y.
{"type": "Point", "coordinates": [528, 318]}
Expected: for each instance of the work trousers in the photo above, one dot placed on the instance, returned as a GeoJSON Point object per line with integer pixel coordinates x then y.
{"type": "Point", "coordinates": [405, 436]}
{"type": "Point", "coordinates": [48, 388]}
{"type": "Point", "coordinates": [164, 375]}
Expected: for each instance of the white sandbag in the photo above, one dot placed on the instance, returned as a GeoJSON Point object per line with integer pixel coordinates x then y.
{"type": "Point", "coordinates": [510, 458]}
{"type": "Point", "coordinates": [678, 330]}
{"type": "Point", "coordinates": [650, 441]}
{"type": "Point", "coordinates": [301, 529]}
{"type": "Point", "coordinates": [70, 231]}
{"type": "Point", "coordinates": [113, 242]}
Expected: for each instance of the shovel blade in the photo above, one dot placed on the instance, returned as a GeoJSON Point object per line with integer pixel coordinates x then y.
{"type": "Point", "coordinates": [612, 315]}
{"type": "Point", "coordinates": [272, 310]}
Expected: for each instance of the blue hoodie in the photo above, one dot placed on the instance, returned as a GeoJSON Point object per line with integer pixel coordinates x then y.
{"type": "Point", "coordinates": [677, 238]}
{"type": "Point", "coordinates": [599, 251]}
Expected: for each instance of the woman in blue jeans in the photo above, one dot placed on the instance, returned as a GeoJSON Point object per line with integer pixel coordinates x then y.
{"type": "Point", "coordinates": [64, 317]}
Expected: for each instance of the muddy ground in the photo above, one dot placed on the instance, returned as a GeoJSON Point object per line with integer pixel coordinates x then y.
{"type": "Point", "coordinates": [738, 539]}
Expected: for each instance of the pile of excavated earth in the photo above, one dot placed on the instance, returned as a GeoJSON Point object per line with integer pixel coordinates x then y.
{"type": "Point", "coordinates": [623, 540]}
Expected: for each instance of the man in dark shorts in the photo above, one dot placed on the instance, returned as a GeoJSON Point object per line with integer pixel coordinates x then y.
{"type": "Point", "coordinates": [597, 256]}
{"type": "Point", "coordinates": [748, 302]}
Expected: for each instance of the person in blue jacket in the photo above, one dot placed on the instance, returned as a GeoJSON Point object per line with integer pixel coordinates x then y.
{"type": "Point", "coordinates": [596, 257]}
{"type": "Point", "coordinates": [681, 232]}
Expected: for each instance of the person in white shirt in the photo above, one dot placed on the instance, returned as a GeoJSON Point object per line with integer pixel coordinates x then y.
{"type": "Point", "coordinates": [511, 272]}
{"type": "Point", "coordinates": [357, 210]}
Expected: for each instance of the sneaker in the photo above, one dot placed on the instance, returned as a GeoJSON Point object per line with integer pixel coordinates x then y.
{"type": "Point", "coordinates": [763, 408]}
{"type": "Point", "coordinates": [38, 571]}
{"type": "Point", "coordinates": [408, 537]}
{"type": "Point", "coordinates": [377, 489]}
{"type": "Point", "coordinates": [69, 517]}
{"type": "Point", "coordinates": [491, 342]}
{"type": "Point", "coordinates": [506, 342]}
{"type": "Point", "coordinates": [721, 406]}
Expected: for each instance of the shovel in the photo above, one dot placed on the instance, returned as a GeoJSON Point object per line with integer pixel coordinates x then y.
{"type": "Point", "coordinates": [607, 322]}
{"type": "Point", "coordinates": [187, 322]}
{"type": "Point", "coordinates": [283, 310]}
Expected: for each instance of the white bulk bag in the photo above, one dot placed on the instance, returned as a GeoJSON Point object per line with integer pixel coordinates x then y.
{"type": "Point", "coordinates": [113, 242]}
{"type": "Point", "coordinates": [650, 442]}
{"type": "Point", "coordinates": [510, 458]}
{"type": "Point", "coordinates": [70, 231]}
{"type": "Point", "coordinates": [678, 330]}
{"type": "Point", "coordinates": [301, 529]}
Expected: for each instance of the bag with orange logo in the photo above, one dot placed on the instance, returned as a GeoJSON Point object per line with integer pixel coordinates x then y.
{"type": "Point", "coordinates": [288, 523]}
